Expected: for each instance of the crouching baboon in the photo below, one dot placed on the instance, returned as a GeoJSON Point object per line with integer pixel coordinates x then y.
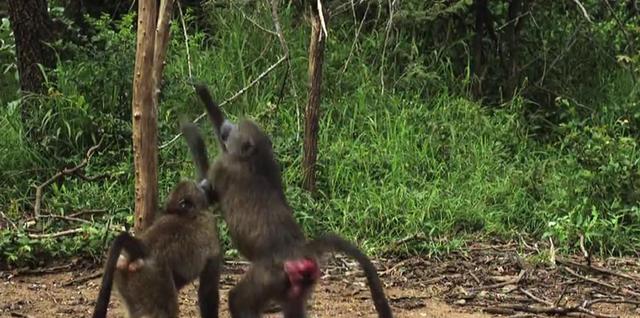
{"type": "Point", "coordinates": [245, 180]}
{"type": "Point", "coordinates": [180, 246]}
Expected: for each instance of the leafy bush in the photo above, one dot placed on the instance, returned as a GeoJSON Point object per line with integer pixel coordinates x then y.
{"type": "Point", "coordinates": [405, 155]}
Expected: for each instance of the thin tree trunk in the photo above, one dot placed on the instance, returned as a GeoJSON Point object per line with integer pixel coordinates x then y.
{"type": "Point", "coordinates": [161, 43]}
{"type": "Point", "coordinates": [151, 51]}
{"type": "Point", "coordinates": [145, 138]}
{"type": "Point", "coordinates": [512, 37]}
{"type": "Point", "coordinates": [481, 9]}
{"type": "Point", "coordinates": [312, 112]}
{"type": "Point", "coordinates": [32, 27]}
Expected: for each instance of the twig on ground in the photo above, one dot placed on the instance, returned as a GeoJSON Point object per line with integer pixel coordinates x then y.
{"type": "Point", "coordinates": [86, 211]}
{"type": "Point", "coordinates": [585, 254]}
{"type": "Point", "coordinates": [568, 262]}
{"type": "Point", "coordinates": [551, 310]}
{"type": "Point", "coordinates": [441, 278]}
{"type": "Point", "coordinates": [475, 278]}
{"type": "Point", "coordinates": [82, 279]}
{"type": "Point", "coordinates": [47, 270]}
{"type": "Point", "coordinates": [20, 315]}
{"type": "Point", "coordinates": [589, 303]}
{"type": "Point", "coordinates": [514, 281]}
{"type": "Point", "coordinates": [536, 298]}
{"type": "Point", "coordinates": [601, 283]}
{"type": "Point", "coordinates": [406, 239]}
{"type": "Point", "coordinates": [64, 172]}
{"type": "Point", "coordinates": [396, 266]}
{"type": "Point", "coordinates": [236, 95]}
{"type": "Point", "coordinates": [56, 234]}
{"type": "Point", "coordinates": [564, 291]}
{"type": "Point", "coordinates": [63, 217]}
{"type": "Point", "coordinates": [552, 252]}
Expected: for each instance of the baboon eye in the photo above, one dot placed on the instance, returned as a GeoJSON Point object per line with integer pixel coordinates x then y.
{"type": "Point", "coordinates": [185, 204]}
{"type": "Point", "coordinates": [246, 147]}
{"type": "Point", "coordinates": [224, 135]}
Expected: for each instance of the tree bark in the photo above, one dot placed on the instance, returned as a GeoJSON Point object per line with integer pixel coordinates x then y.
{"type": "Point", "coordinates": [312, 112]}
{"type": "Point", "coordinates": [513, 15]}
{"type": "Point", "coordinates": [32, 27]}
{"type": "Point", "coordinates": [160, 46]}
{"type": "Point", "coordinates": [481, 13]}
{"type": "Point", "coordinates": [151, 51]}
{"type": "Point", "coordinates": [145, 138]}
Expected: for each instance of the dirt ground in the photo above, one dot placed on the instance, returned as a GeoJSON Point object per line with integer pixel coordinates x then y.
{"type": "Point", "coordinates": [486, 281]}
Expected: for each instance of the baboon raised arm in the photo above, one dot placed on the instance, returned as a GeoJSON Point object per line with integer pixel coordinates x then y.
{"type": "Point", "coordinates": [246, 180]}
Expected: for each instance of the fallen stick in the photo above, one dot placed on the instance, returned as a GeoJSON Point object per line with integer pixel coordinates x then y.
{"type": "Point", "coordinates": [601, 283]}
{"type": "Point", "coordinates": [590, 303]}
{"type": "Point", "coordinates": [62, 217]}
{"type": "Point", "coordinates": [56, 234]}
{"type": "Point", "coordinates": [514, 281]}
{"type": "Point", "coordinates": [553, 310]}
{"type": "Point", "coordinates": [538, 299]}
{"type": "Point", "coordinates": [82, 279]}
{"type": "Point", "coordinates": [47, 270]}
{"type": "Point", "coordinates": [568, 262]}
{"type": "Point", "coordinates": [62, 173]}
{"type": "Point", "coordinates": [87, 211]}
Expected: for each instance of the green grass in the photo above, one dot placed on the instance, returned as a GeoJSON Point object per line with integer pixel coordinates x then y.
{"type": "Point", "coordinates": [418, 161]}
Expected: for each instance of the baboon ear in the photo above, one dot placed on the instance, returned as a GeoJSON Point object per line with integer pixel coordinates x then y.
{"type": "Point", "coordinates": [247, 148]}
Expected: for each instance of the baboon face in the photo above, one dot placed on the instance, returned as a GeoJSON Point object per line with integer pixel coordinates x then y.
{"type": "Point", "coordinates": [187, 197]}
{"type": "Point", "coordinates": [245, 139]}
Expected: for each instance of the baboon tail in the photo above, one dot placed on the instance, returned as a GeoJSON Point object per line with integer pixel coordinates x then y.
{"type": "Point", "coordinates": [334, 242]}
{"type": "Point", "coordinates": [135, 249]}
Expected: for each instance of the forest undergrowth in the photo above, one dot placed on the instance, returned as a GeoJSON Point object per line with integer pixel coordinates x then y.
{"type": "Point", "coordinates": [410, 161]}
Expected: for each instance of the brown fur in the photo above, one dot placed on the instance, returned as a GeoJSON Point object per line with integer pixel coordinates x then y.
{"type": "Point", "coordinates": [246, 181]}
{"type": "Point", "coordinates": [180, 246]}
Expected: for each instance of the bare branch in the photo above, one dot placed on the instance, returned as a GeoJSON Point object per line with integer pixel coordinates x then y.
{"type": "Point", "coordinates": [145, 115]}
{"type": "Point", "coordinates": [355, 39]}
{"type": "Point", "coordinates": [56, 234]}
{"type": "Point", "coordinates": [322, 21]}
{"type": "Point", "coordinates": [255, 23]}
{"type": "Point", "coordinates": [186, 41]}
{"type": "Point", "coordinates": [160, 44]}
{"type": "Point", "coordinates": [63, 172]}
{"type": "Point", "coordinates": [392, 6]}
{"type": "Point", "coordinates": [64, 217]}
{"type": "Point", "coordinates": [230, 99]}
{"type": "Point", "coordinates": [283, 44]}
{"type": "Point", "coordinates": [582, 10]}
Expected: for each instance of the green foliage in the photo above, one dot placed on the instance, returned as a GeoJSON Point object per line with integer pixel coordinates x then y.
{"type": "Point", "coordinates": [8, 67]}
{"type": "Point", "coordinates": [404, 154]}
